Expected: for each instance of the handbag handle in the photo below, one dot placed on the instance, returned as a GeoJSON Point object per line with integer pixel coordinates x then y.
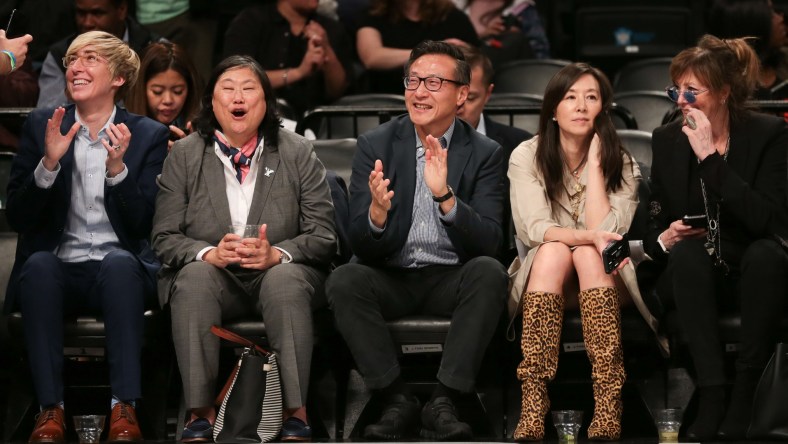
{"type": "Point", "coordinates": [238, 339]}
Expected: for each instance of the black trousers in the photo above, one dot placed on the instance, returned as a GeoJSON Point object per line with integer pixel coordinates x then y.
{"type": "Point", "coordinates": [364, 298]}
{"type": "Point", "coordinates": [757, 288]}
{"type": "Point", "coordinates": [116, 288]}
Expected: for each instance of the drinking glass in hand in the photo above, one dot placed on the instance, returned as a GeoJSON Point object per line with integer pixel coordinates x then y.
{"type": "Point", "coordinates": [89, 427]}
{"type": "Point", "coordinates": [245, 231]}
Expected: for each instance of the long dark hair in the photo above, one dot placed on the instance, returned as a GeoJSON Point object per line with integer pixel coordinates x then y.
{"type": "Point", "coordinates": [205, 123]}
{"type": "Point", "coordinates": [550, 157]}
{"type": "Point", "coordinates": [157, 58]}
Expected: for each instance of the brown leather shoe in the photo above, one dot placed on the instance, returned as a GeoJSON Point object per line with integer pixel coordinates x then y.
{"type": "Point", "coordinates": [50, 426]}
{"type": "Point", "coordinates": [123, 424]}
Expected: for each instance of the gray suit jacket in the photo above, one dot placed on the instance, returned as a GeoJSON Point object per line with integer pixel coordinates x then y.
{"type": "Point", "coordinates": [192, 211]}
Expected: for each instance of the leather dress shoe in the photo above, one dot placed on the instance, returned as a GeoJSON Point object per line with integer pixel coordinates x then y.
{"type": "Point", "coordinates": [199, 430]}
{"type": "Point", "coordinates": [294, 429]}
{"type": "Point", "coordinates": [50, 426]}
{"type": "Point", "coordinates": [123, 424]}
{"type": "Point", "coordinates": [439, 421]}
{"type": "Point", "coordinates": [400, 420]}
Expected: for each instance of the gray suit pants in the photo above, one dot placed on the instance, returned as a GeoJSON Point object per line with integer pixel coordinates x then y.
{"type": "Point", "coordinates": [204, 295]}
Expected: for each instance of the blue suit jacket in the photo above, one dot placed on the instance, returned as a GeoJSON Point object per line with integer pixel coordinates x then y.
{"type": "Point", "coordinates": [39, 215]}
{"type": "Point", "coordinates": [475, 174]}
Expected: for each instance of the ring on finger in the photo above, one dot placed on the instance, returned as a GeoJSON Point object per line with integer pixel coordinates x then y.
{"type": "Point", "coordinates": [116, 147]}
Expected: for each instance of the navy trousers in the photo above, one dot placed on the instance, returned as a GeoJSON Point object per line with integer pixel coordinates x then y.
{"type": "Point", "coordinates": [115, 288]}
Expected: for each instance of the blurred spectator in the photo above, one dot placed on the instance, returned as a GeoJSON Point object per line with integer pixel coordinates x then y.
{"type": "Point", "coordinates": [47, 28]}
{"type": "Point", "coordinates": [91, 15]}
{"type": "Point", "coordinates": [392, 28]}
{"type": "Point", "coordinates": [328, 8]}
{"type": "Point", "coordinates": [14, 52]}
{"type": "Point", "coordinates": [168, 89]}
{"type": "Point", "coordinates": [471, 111]}
{"type": "Point", "coordinates": [350, 11]}
{"type": "Point", "coordinates": [18, 83]}
{"type": "Point", "coordinates": [755, 18]}
{"type": "Point", "coordinates": [175, 21]}
{"type": "Point", "coordinates": [481, 87]}
{"type": "Point", "coordinates": [510, 29]}
{"type": "Point", "coordinates": [307, 56]}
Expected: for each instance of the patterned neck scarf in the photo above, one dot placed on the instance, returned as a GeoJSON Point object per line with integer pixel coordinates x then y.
{"type": "Point", "coordinates": [241, 158]}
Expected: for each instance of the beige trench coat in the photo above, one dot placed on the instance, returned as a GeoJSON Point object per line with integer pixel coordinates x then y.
{"type": "Point", "coordinates": [534, 213]}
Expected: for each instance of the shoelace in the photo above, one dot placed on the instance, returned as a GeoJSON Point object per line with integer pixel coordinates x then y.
{"type": "Point", "coordinates": [50, 416]}
{"type": "Point", "coordinates": [124, 413]}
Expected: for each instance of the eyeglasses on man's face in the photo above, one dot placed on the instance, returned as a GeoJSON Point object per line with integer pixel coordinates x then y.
{"type": "Point", "coordinates": [88, 59]}
{"type": "Point", "coordinates": [689, 94]}
{"type": "Point", "coordinates": [432, 83]}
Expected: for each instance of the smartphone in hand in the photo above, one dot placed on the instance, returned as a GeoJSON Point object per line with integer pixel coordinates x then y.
{"type": "Point", "coordinates": [696, 221]}
{"type": "Point", "coordinates": [615, 252]}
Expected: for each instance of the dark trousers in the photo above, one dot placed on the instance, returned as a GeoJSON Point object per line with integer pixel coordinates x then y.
{"type": "Point", "coordinates": [757, 288]}
{"type": "Point", "coordinates": [364, 298]}
{"type": "Point", "coordinates": [115, 288]}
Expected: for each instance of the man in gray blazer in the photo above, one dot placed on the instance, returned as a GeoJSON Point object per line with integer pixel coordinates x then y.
{"type": "Point", "coordinates": [210, 274]}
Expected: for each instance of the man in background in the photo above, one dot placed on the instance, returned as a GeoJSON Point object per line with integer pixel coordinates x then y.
{"type": "Point", "coordinates": [91, 15]}
{"type": "Point", "coordinates": [508, 137]}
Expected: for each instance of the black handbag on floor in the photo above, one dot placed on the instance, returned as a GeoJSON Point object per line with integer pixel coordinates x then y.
{"type": "Point", "coordinates": [769, 409]}
{"type": "Point", "coordinates": [251, 400]}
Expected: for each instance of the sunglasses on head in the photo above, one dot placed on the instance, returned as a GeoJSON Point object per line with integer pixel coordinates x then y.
{"type": "Point", "coordinates": [689, 94]}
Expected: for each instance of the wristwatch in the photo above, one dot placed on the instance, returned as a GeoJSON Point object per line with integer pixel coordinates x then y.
{"type": "Point", "coordinates": [445, 197]}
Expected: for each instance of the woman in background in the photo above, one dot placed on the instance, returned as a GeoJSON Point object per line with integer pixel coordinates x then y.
{"type": "Point", "coordinates": [392, 28]}
{"type": "Point", "coordinates": [730, 19]}
{"type": "Point", "coordinates": [168, 88]}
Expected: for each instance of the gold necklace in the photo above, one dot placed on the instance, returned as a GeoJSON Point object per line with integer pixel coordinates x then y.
{"type": "Point", "coordinates": [576, 173]}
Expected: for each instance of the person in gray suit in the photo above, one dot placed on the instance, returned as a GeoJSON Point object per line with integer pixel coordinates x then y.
{"type": "Point", "coordinates": [240, 167]}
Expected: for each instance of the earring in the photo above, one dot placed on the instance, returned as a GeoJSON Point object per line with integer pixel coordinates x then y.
{"type": "Point", "coordinates": [554, 119]}
{"type": "Point", "coordinates": [723, 101]}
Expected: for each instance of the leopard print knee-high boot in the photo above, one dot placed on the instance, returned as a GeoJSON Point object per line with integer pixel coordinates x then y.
{"type": "Point", "coordinates": [601, 313]}
{"type": "Point", "coordinates": [543, 314]}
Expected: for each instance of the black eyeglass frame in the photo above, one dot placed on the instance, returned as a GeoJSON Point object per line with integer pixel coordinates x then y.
{"type": "Point", "coordinates": [426, 85]}
{"type": "Point", "coordinates": [689, 95]}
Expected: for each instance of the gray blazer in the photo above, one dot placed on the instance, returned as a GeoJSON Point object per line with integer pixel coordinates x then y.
{"type": "Point", "coordinates": [192, 211]}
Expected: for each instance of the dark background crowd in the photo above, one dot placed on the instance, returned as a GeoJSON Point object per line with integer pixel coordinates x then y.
{"type": "Point", "coordinates": [318, 53]}
{"type": "Point", "coordinates": [607, 34]}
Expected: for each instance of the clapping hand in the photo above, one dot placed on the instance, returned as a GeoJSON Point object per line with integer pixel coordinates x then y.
{"type": "Point", "coordinates": [381, 195]}
{"type": "Point", "coordinates": [56, 144]}
{"type": "Point", "coordinates": [120, 136]}
{"type": "Point", "coordinates": [436, 166]}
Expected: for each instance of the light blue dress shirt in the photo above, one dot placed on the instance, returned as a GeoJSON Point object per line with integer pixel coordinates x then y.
{"type": "Point", "coordinates": [88, 234]}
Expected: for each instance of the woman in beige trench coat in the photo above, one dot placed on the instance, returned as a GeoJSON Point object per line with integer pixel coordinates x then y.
{"type": "Point", "coordinates": [573, 191]}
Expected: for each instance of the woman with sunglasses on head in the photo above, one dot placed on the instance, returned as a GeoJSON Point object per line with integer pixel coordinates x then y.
{"type": "Point", "coordinates": [727, 164]}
